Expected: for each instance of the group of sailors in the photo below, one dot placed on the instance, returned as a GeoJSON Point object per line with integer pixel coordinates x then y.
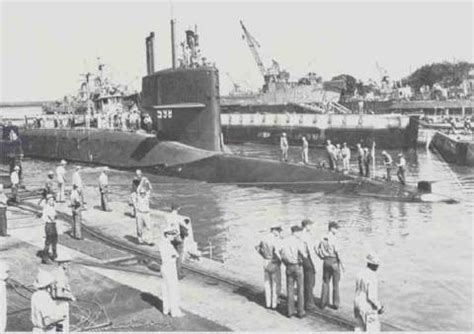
{"type": "Point", "coordinates": [50, 312]}
{"type": "Point", "coordinates": [339, 157]}
{"type": "Point", "coordinates": [299, 252]}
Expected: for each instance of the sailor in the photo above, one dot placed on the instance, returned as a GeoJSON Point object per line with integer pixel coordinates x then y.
{"type": "Point", "coordinates": [367, 306]}
{"type": "Point", "coordinates": [3, 214]}
{"type": "Point", "coordinates": [292, 254]}
{"type": "Point", "coordinates": [48, 187]}
{"type": "Point", "coordinates": [346, 157]}
{"type": "Point", "coordinates": [77, 180]}
{"type": "Point", "coordinates": [269, 248]}
{"type": "Point", "coordinates": [330, 148]}
{"type": "Point", "coordinates": [51, 240]}
{"type": "Point", "coordinates": [104, 189]}
{"type": "Point", "coordinates": [176, 223]}
{"type": "Point", "coordinates": [367, 161]}
{"type": "Point", "coordinates": [328, 251]}
{"type": "Point", "coordinates": [142, 216]}
{"type": "Point", "coordinates": [15, 181]}
{"type": "Point", "coordinates": [137, 182]}
{"type": "Point", "coordinates": [401, 168]}
{"type": "Point", "coordinates": [4, 270]}
{"type": "Point", "coordinates": [170, 288]}
{"type": "Point", "coordinates": [387, 162]}
{"type": "Point", "coordinates": [44, 313]}
{"type": "Point", "coordinates": [304, 150]}
{"type": "Point", "coordinates": [76, 205]}
{"type": "Point", "coordinates": [338, 157]}
{"type": "Point", "coordinates": [284, 147]}
{"type": "Point", "coordinates": [61, 292]}
{"type": "Point", "coordinates": [360, 159]}
{"type": "Point", "coordinates": [61, 178]}
{"type": "Point", "coordinates": [309, 263]}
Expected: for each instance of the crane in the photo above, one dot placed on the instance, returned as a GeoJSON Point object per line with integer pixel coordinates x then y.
{"type": "Point", "coordinates": [253, 45]}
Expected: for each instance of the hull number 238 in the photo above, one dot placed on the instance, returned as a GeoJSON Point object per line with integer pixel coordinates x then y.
{"type": "Point", "coordinates": [167, 113]}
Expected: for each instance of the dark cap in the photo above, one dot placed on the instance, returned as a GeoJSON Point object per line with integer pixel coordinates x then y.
{"type": "Point", "coordinates": [306, 222]}
{"type": "Point", "coordinates": [276, 228]}
{"type": "Point", "coordinates": [296, 228]}
{"type": "Point", "coordinates": [333, 224]}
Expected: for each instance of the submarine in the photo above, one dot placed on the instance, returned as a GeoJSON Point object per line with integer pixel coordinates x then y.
{"type": "Point", "coordinates": [184, 104]}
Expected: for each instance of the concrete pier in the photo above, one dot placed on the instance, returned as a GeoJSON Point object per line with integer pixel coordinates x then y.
{"type": "Point", "coordinates": [222, 300]}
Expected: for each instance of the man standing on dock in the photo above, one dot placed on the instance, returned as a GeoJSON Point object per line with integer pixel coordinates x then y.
{"type": "Point", "coordinates": [292, 254]}
{"type": "Point", "coordinates": [76, 205]}
{"type": "Point", "coordinates": [387, 161]}
{"type": "Point", "coordinates": [142, 216]}
{"type": "Point", "coordinates": [268, 248]}
{"type": "Point", "coordinates": [360, 159]}
{"type": "Point", "coordinates": [15, 181]}
{"type": "Point", "coordinates": [170, 288]}
{"type": "Point", "coordinates": [51, 240]}
{"type": "Point", "coordinates": [77, 181]}
{"type": "Point", "coordinates": [3, 214]}
{"type": "Point", "coordinates": [3, 296]}
{"type": "Point", "coordinates": [104, 189]}
{"type": "Point", "coordinates": [401, 168]}
{"type": "Point", "coordinates": [304, 150]}
{"type": "Point", "coordinates": [284, 147]}
{"type": "Point", "coordinates": [61, 178]}
{"type": "Point", "coordinates": [309, 268]}
{"type": "Point", "coordinates": [328, 251]}
{"type": "Point", "coordinates": [367, 306]}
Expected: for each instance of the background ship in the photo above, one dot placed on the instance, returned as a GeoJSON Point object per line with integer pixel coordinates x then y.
{"type": "Point", "coordinates": [308, 107]}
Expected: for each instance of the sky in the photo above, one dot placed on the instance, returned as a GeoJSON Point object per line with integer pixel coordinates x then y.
{"type": "Point", "coordinates": [45, 46]}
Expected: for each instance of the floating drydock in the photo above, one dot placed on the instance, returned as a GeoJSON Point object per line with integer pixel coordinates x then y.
{"type": "Point", "coordinates": [387, 131]}
{"type": "Point", "coordinates": [184, 105]}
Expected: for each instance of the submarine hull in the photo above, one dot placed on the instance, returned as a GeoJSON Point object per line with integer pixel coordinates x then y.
{"type": "Point", "coordinates": [134, 150]}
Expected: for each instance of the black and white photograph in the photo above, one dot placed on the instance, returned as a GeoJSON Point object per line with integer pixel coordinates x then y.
{"type": "Point", "coordinates": [236, 166]}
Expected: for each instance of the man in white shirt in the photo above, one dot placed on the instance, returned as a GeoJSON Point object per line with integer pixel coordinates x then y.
{"type": "Point", "coordinates": [268, 248]}
{"type": "Point", "coordinates": [142, 216]}
{"type": "Point", "coordinates": [346, 158]}
{"type": "Point", "coordinates": [51, 240]}
{"type": "Point", "coordinates": [61, 178]}
{"type": "Point", "coordinates": [3, 213]}
{"type": "Point", "coordinates": [44, 315]}
{"type": "Point", "coordinates": [77, 181]}
{"type": "Point", "coordinates": [15, 181]}
{"type": "Point", "coordinates": [76, 206]}
{"type": "Point", "coordinates": [401, 168]}
{"type": "Point", "coordinates": [367, 306]}
{"type": "Point", "coordinates": [304, 150]}
{"type": "Point", "coordinates": [309, 263]}
{"type": "Point", "coordinates": [284, 147]}
{"type": "Point", "coordinates": [104, 189]}
{"type": "Point", "coordinates": [3, 295]}
{"type": "Point", "coordinates": [170, 287]}
{"type": "Point", "coordinates": [61, 292]}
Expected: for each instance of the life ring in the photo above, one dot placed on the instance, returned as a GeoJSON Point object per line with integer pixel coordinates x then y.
{"type": "Point", "coordinates": [324, 164]}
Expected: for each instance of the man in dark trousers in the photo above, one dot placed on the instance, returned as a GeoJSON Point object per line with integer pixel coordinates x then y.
{"type": "Point", "coordinates": [401, 168]}
{"type": "Point", "coordinates": [328, 251]}
{"type": "Point", "coordinates": [309, 271]}
{"type": "Point", "coordinates": [51, 240]}
{"type": "Point", "coordinates": [292, 254]}
{"type": "Point", "coordinates": [367, 161]}
{"type": "Point", "coordinates": [360, 159]}
{"type": "Point", "coordinates": [387, 161]}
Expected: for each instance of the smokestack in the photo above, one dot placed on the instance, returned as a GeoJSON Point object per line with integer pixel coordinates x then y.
{"type": "Point", "coordinates": [173, 43]}
{"type": "Point", "coordinates": [150, 53]}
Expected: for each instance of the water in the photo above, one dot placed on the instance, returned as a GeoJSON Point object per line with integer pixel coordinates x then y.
{"type": "Point", "coordinates": [426, 248]}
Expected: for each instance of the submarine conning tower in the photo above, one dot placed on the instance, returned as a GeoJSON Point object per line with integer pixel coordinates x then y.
{"type": "Point", "coordinates": [184, 102]}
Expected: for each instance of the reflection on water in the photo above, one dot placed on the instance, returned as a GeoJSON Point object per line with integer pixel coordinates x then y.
{"type": "Point", "coordinates": [426, 248]}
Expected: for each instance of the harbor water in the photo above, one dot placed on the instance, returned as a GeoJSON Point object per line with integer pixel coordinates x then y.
{"type": "Point", "coordinates": [426, 248]}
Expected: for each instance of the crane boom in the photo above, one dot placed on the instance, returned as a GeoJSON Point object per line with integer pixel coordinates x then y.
{"type": "Point", "coordinates": [253, 44]}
